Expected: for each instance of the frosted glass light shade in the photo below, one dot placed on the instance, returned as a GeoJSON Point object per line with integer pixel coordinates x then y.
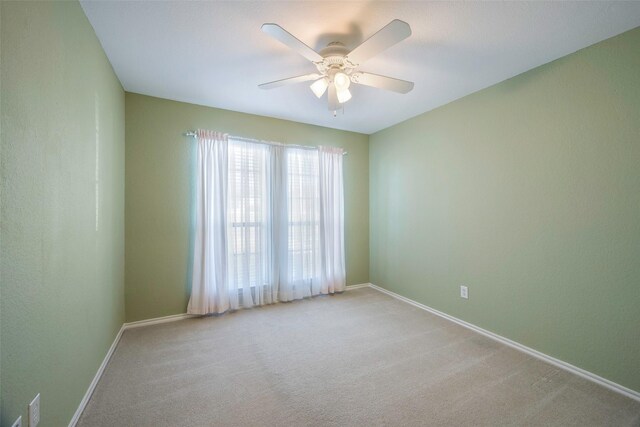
{"type": "Point", "coordinates": [342, 81]}
{"type": "Point", "coordinates": [319, 87]}
{"type": "Point", "coordinates": [343, 95]}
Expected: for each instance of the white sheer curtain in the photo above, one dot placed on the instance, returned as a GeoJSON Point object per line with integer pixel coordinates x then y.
{"type": "Point", "coordinates": [333, 276]}
{"type": "Point", "coordinates": [269, 224]}
{"type": "Point", "coordinates": [209, 286]}
{"type": "Point", "coordinates": [300, 265]}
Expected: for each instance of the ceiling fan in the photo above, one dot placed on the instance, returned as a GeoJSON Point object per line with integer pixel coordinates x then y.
{"type": "Point", "coordinates": [337, 65]}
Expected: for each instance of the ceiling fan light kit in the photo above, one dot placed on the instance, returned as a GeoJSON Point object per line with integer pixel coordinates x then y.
{"type": "Point", "coordinates": [343, 95]}
{"type": "Point", "coordinates": [319, 87]}
{"type": "Point", "coordinates": [336, 64]}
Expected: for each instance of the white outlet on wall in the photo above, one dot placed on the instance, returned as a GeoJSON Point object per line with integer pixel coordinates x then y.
{"type": "Point", "coordinates": [464, 292]}
{"type": "Point", "coordinates": [34, 411]}
{"type": "Point", "coordinates": [18, 422]}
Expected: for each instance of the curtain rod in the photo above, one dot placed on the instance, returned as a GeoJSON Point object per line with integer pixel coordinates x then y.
{"type": "Point", "coordinates": [258, 141]}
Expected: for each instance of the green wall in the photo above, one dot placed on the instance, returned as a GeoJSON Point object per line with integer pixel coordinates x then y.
{"type": "Point", "coordinates": [1, 162]}
{"type": "Point", "coordinates": [1, 209]}
{"type": "Point", "coordinates": [62, 210]}
{"type": "Point", "coordinates": [529, 193]}
{"type": "Point", "coordinates": [159, 194]}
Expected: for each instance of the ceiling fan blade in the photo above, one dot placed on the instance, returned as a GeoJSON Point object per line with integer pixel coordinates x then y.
{"type": "Point", "coordinates": [394, 32]}
{"type": "Point", "coordinates": [289, 81]}
{"type": "Point", "coordinates": [286, 38]}
{"type": "Point", "coordinates": [382, 82]}
{"type": "Point", "coordinates": [333, 98]}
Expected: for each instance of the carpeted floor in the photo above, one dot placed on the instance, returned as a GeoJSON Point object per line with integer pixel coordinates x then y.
{"type": "Point", "coordinates": [360, 358]}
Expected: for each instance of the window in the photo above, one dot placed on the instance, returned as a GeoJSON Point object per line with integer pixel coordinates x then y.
{"type": "Point", "coordinates": [269, 223]}
{"type": "Point", "coordinates": [251, 201]}
{"type": "Point", "coordinates": [303, 215]}
{"type": "Point", "coordinates": [249, 215]}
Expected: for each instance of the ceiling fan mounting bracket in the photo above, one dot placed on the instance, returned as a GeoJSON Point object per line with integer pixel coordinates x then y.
{"type": "Point", "coordinates": [336, 49]}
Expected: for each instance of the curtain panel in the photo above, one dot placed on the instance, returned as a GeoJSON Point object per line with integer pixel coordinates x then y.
{"type": "Point", "coordinates": [331, 219]}
{"type": "Point", "coordinates": [209, 287]}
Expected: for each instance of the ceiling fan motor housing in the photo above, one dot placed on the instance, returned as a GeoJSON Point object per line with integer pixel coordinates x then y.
{"type": "Point", "coordinates": [333, 60]}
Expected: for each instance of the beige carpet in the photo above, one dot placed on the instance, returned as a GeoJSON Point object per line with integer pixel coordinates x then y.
{"type": "Point", "coordinates": [356, 359]}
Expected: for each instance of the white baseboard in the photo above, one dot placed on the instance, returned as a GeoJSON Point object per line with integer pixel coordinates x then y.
{"type": "Point", "coordinates": [358, 286]}
{"type": "Point", "coordinates": [174, 317]}
{"type": "Point", "coordinates": [157, 320]}
{"type": "Point", "coordinates": [535, 353]}
{"type": "Point", "coordinates": [96, 378]}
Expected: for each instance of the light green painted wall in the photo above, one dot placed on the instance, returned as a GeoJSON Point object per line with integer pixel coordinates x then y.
{"type": "Point", "coordinates": [62, 278]}
{"type": "Point", "coordinates": [159, 187]}
{"type": "Point", "coordinates": [1, 209]}
{"type": "Point", "coordinates": [529, 193]}
{"type": "Point", "coordinates": [1, 61]}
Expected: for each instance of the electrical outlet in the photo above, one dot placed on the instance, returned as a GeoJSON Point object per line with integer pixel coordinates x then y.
{"type": "Point", "coordinates": [34, 411]}
{"type": "Point", "coordinates": [464, 292]}
{"type": "Point", "coordinates": [18, 422]}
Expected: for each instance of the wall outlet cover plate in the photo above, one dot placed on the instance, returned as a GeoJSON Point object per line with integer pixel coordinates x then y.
{"type": "Point", "coordinates": [464, 292]}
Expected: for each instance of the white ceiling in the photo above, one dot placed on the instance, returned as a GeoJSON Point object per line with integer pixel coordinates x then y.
{"type": "Point", "coordinates": [213, 53]}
